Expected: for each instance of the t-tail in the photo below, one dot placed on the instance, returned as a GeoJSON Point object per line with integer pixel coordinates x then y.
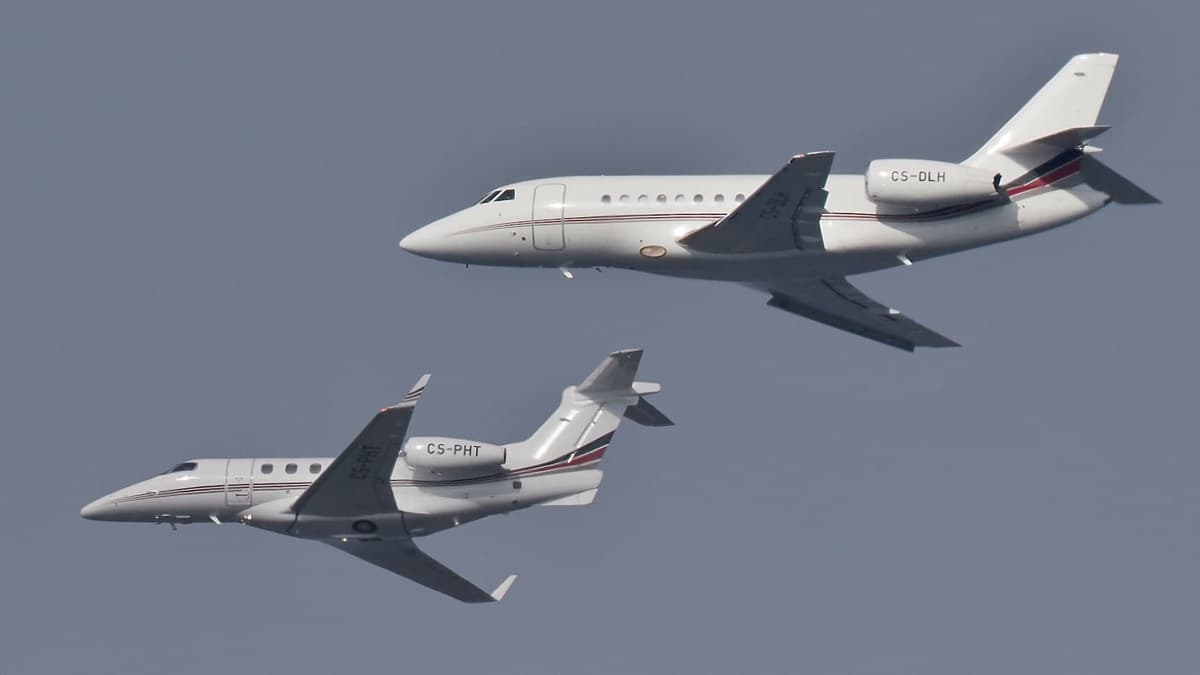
{"type": "Point", "coordinates": [1047, 140]}
{"type": "Point", "coordinates": [573, 440]}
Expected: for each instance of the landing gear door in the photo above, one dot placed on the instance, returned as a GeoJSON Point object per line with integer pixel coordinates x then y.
{"type": "Point", "coordinates": [239, 488]}
{"type": "Point", "coordinates": [548, 202]}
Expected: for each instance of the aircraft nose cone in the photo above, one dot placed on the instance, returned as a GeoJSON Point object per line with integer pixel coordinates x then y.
{"type": "Point", "coordinates": [420, 242]}
{"type": "Point", "coordinates": [101, 509]}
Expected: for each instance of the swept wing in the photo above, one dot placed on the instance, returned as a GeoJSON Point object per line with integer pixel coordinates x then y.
{"type": "Point", "coordinates": [359, 480]}
{"type": "Point", "coordinates": [836, 302]}
{"type": "Point", "coordinates": [402, 557]}
{"type": "Point", "coordinates": [784, 213]}
{"type": "Point", "coordinates": [358, 483]}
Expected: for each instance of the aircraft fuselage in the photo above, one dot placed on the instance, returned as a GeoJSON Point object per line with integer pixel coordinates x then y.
{"type": "Point", "coordinates": [229, 490]}
{"type": "Point", "coordinates": [637, 222]}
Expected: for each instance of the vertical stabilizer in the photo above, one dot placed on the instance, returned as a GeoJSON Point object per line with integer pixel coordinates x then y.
{"type": "Point", "coordinates": [580, 429]}
{"type": "Point", "coordinates": [1060, 116]}
{"type": "Point", "coordinates": [614, 375]}
{"type": "Point", "coordinates": [588, 411]}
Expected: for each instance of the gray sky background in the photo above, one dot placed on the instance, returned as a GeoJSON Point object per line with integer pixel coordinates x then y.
{"type": "Point", "coordinates": [201, 203]}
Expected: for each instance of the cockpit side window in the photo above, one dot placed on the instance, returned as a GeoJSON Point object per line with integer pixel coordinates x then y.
{"type": "Point", "coordinates": [186, 466]}
{"type": "Point", "coordinates": [506, 196]}
{"type": "Point", "coordinates": [489, 196]}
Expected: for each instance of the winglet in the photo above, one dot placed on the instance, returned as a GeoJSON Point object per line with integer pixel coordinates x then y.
{"type": "Point", "coordinates": [502, 589]}
{"type": "Point", "coordinates": [410, 399]}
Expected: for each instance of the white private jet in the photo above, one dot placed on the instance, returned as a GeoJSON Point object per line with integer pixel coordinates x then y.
{"type": "Point", "coordinates": [370, 505]}
{"type": "Point", "coordinates": [798, 234]}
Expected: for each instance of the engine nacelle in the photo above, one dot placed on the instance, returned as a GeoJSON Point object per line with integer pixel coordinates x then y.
{"type": "Point", "coordinates": [434, 453]}
{"type": "Point", "coordinates": [922, 182]}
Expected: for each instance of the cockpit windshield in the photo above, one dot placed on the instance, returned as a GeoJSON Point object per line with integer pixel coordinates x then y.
{"type": "Point", "coordinates": [501, 195]}
{"type": "Point", "coordinates": [186, 466]}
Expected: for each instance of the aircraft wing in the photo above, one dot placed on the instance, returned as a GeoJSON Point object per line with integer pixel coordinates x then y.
{"type": "Point", "coordinates": [359, 480]}
{"type": "Point", "coordinates": [402, 557]}
{"type": "Point", "coordinates": [784, 213]}
{"type": "Point", "coordinates": [837, 303]}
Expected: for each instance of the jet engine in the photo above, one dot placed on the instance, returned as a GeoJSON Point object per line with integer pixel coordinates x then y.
{"type": "Point", "coordinates": [922, 183]}
{"type": "Point", "coordinates": [434, 453]}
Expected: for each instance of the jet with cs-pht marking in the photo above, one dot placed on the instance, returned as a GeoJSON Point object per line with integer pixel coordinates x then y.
{"type": "Point", "coordinates": [798, 234]}
{"type": "Point", "coordinates": [372, 500]}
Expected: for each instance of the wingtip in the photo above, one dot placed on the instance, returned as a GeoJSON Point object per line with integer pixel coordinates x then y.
{"type": "Point", "coordinates": [816, 163]}
{"type": "Point", "coordinates": [502, 589]}
{"type": "Point", "coordinates": [627, 352]}
{"type": "Point", "coordinates": [1102, 57]}
{"type": "Point", "coordinates": [410, 399]}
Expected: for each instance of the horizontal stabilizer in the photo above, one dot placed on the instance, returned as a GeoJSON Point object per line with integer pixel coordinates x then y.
{"type": "Point", "coordinates": [645, 414]}
{"type": "Point", "coordinates": [1059, 140]}
{"type": "Point", "coordinates": [646, 388]}
{"type": "Point", "coordinates": [1121, 189]}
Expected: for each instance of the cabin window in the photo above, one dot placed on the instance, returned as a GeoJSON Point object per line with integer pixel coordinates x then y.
{"type": "Point", "coordinates": [624, 199]}
{"type": "Point", "coordinates": [739, 198]}
{"type": "Point", "coordinates": [642, 199]}
{"type": "Point", "coordinates": [606, 199]}
{"type": "Point", "coordinates": [267, 468]}
{"type": "Point", "coordinates": [186, 466]}
{"type": "Point", "coordinates": [679, 199]}
{"type": "Point", "coordinates": [506, 196]}
{"type": "Point", "coordinates": [719, 198]}
{"type": "Point", "coordinates": [661, 199]}
{"type": "Point", "coordinates": [489, 196]}
{"type": "Point", "coordinates": [289, 468]}
{"type": "Point", "coordinates": [698, 198]}
{"type": "Point", "coordinates": [314, 468]}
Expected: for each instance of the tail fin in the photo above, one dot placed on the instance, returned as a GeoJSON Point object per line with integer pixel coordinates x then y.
{"type": "Point", "coordinates": [1061, 116]}
{"type": "Point", "coordinates": [579, 431]}
{"type": "Point", "coordinates": [1048, 134]}
{"type": "Point", "coordinates": [615, 376]}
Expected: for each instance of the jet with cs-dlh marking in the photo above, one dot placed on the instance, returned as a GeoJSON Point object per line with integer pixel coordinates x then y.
{"type": "Point", "coordinates": [372, 500]}
{"type": "Point", "coordinates": [798, 234]}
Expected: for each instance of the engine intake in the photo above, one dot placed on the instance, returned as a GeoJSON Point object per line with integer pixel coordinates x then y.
{"type": "Point", "coordinates": [920, 182]}
{"type": "Point", "coordinates": [434, 453]}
